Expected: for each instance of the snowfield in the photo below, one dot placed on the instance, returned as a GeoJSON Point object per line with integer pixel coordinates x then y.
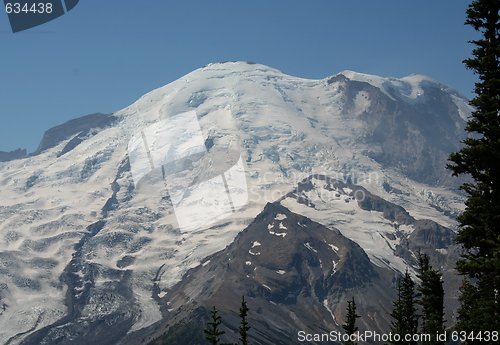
{"type": "Point", "coordinates": [285, 129]}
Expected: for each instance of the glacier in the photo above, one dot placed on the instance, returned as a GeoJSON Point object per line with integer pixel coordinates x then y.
{"type": "Point", "coordinates": [75, 226]}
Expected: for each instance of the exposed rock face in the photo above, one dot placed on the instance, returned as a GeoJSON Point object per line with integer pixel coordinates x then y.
{"type": "Point", "coordinates": [412, 136]}
{"type": "Point", "coordinates": [80, 127]}
{"type": "Point", "coordinates": [296, 272]}
{"type": "Point", "coordinates": [402, 235]}
{"type": "Point", "coordinates": [10, 156]}
{"type": "Point", "coordinates": [296, 275]}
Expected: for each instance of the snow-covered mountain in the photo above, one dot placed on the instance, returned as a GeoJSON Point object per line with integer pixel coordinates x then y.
{"type": "Point", "coordinates": [297, 274]}
{"type": "Point", "coordinates": [82, 244]}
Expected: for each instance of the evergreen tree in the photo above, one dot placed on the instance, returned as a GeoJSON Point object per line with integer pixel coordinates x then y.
{"type": "Point", "coordinates": [479, 232]}
{"type": "Point", "coordinates": [466, 310]}
{"type": "Point", "coordinates": [404, 314]}
{"type": "Point", "coordinates": [431, 299]}
{"type": "Point", "coordinates": [212, 331]}
{"type": "Point", "coordinates": [244, 328]}
{"type": "Point", "coordinates": [350, 323]}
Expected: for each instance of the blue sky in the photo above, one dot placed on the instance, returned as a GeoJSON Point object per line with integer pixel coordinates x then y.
{"type": "Point", "coordinates": [103, 55]}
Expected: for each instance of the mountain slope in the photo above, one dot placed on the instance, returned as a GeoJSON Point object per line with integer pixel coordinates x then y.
{"type": "Point", "coordinates": [296, 275]}
{"type": "Point", "coordinates": [76, 230]}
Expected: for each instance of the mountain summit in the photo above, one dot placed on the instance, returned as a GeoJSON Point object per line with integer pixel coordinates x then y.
{"type": "Point", "coordinates": [89, 252]}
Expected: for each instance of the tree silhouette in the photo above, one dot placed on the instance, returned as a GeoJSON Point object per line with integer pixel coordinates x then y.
{"type": "Point", "coordinates": [431, 299]}
{"type": "Point", "coordinates": [213, 332]}
{"type": "Point", "coordinates": [244, 327]}
{"type": "Point", "coordinates": [405, 320]}
{"type": "Point", "coordinates": [479, 159]}
{"type": "Point", "coordinates": [350, 323]}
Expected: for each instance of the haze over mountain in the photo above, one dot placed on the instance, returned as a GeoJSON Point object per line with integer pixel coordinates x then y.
{"type": "Point", "coordinates": [89, 253]}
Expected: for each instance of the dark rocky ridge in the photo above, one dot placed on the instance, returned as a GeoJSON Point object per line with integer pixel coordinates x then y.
{"type": "Point", "coordinates": [77, 129]}
{"type": "Point", "coordinates": [428, 237]}
{"type": "Point", "coordinates": [11, 155]}
{"type": "Point", "coordinates": [286, 284]}
{"type": "Point", "coordinates": [281, 305]}
{"type": "Point", "coordinates": [79, 126]}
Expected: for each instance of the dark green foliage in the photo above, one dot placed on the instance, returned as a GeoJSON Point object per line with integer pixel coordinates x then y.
{"type": "Point", "coordinates": [475, 303]}
{"type": "Point", "coordinates": [480, 159]}
{"type": "Point", "coordinates": [350, 323]}
{"type": "Point", "coordinates": [466, 312]}
{"type": "Point", "coordinates": [244, 328]}
{"type": "Point", "coordinates": [405, 320]}
{"type": "Point", "coordinates": [431, 299]}
{"type": "Point", "coordinates": [213, 331]}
